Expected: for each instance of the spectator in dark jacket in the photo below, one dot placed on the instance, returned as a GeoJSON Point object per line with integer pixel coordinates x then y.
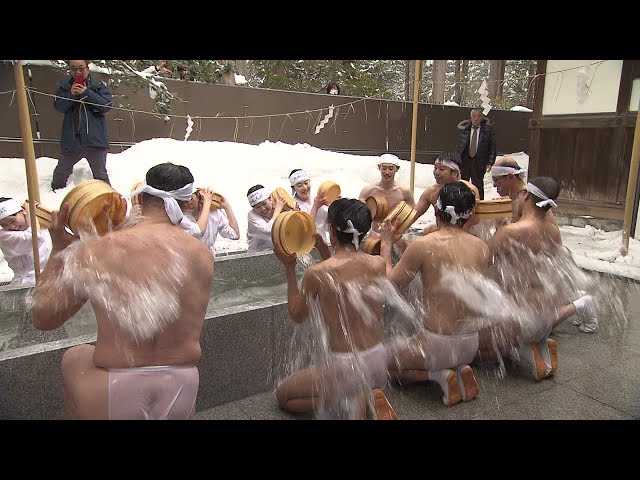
{"type": "Point", "coordinates": [84, 102]}
{"type": "Point", "coordinates": [476, 159]}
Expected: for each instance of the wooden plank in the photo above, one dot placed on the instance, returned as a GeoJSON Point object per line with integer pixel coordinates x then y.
{"type": "Point", "coordinates": [570, 206]}
{"type": "Point", "coordinates": [583, 121]}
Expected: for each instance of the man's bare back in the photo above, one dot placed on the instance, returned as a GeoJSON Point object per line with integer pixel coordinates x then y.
{"type": "Point", "coordinates": [327, 282]}
{"type": "Point", "coordinates": [443, 249]}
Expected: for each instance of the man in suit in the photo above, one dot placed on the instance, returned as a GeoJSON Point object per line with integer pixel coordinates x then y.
{"type": "Point", "coordinates": [476, 145]}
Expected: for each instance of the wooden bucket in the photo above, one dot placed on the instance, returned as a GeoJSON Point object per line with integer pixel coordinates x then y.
{"type": "Point", "coordinates": [136, 200]}
{"type": "Point", "coordinates": [401, 216]}
{"type": "Point", "coordinates": [94, 204]}
{"type": "Point", "coordinates": [294, 232]}
{"type": "Point", "coordinates": [378, 207]}
{"type": "Point", "coordinates": [494, 208]}
{"type": "Point", "coordinates": [371, 245]}
{"type": "Point", "coordinates": [279, 192]}
{"type": "Point", "coordinates": [330, 191]}
{"type": "Point", "coordinates": [43, 215]}
{"type": "Point", "coordinates": [216, 200]}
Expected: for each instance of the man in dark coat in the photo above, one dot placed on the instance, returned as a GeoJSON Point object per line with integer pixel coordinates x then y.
{"type": "Point", "coordinates": [84, 101]}
{"type": "Point", "coordinates": [477, 158]}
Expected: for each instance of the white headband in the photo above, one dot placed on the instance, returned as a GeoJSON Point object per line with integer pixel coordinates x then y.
{"type": "Point", "coordinates": [298, 176]}
{"type": "Point", "coordinates": [9, 207]}
{"type": "Point", "coordinates": [258, 196]}
{"type": "Point", "coordinates": [389, 158]}
{"type": "Point", "coordinates": [352, 229]}
{"type": "Point", "coordinates": [501, 171]}
{"type": "Point", "coordinates": [449, 164]}
{"type": "Point", "coordinates": [451, 210]}
{"type": "Point", "coordinates": [540, 194]}
{"type": "Point", "coordinates": [170, 204]}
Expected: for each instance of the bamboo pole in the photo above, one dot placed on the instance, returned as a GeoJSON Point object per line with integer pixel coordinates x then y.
{"type": "Point", "coordinates": [414, 123]}
{"type": "Point", "coordinates": [29, 159]}
{"type": "Point", "coordinates": [632, 184]}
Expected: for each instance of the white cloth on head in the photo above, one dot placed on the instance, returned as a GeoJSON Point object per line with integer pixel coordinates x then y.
{"type": "Point", "coordinates": [451, 210]}
{"type": "Point", "coordinates": [170, 204]}
{"type": "Point", "coordinates": [540, 194]}
{"type": "Point", "coordinates": [449, 164]}
{"type": "Point", "coordinates": [501, 171]}
{"type": "Point", "coordinates": [352, 229]}
{"type": "Point", "coordinates": [297, 177]}
{"type": "Point", "coordinates": [389, 158]}
{"type": "Point", "coordinates": [9, 207]}
{"type": "Point", "coordinates": [258, 196]}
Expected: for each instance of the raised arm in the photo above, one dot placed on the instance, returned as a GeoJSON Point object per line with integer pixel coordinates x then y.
{"type": "Point", "coordinates": [55, 297]}
{"type": "Point", "coordinates": [232, 221]}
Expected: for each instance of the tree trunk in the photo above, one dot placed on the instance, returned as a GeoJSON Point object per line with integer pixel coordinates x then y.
{"type": "Point", "coordinates": [464, 78]}
{"type": "Point", "coordinates": [457, 92]}
{"type": "Point", "coordinates": [531, 88]}
{"type": "Point", "coordinates": [439, 77]}
{"type": "Point", "coordinates": [242, 68]}
{"type": "Point", "coordinates": [409, 76]}
{"type": "Point", "coordinates": [496, 81]}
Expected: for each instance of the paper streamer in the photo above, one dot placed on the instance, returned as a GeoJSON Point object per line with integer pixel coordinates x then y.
{"type": "Point", "coordinates": [582, 88]}
{"type": "Point", "coordinates": [189, 127]}
{"type": "Point", "coordinates": [325, 120]}
{"type": "Point", "coordinates": [484, 96]}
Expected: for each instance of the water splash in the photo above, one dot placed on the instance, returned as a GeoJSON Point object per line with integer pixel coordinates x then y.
{"type": "Point", "coordinates": [140, 302]}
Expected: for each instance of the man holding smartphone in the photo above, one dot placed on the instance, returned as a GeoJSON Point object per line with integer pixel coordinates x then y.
{"type": "Point", "coordinates": [84, 101]}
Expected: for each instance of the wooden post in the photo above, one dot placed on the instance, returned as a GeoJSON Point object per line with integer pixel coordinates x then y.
{"type": "Point", "coordinates": [632, 184]}
{"type": "Point", "coordinates": [33, 189]}
{"type": "Point", "coordinates": [414, 123]}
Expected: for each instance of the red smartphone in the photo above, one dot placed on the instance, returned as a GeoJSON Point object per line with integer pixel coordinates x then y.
{"type": "Point", "coordinates": [79, 79]}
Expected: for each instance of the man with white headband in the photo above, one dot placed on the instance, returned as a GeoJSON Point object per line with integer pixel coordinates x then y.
{"type": "Point", "coordinates": [261, 217]}
{"type": "Point", "coordinates": [355, 371]}
{"type": "Point", "coordinates": [527, 263]}
{"type": "Point", "coordinates": [149, 284]}
{"type": "Point", "coordinates": [16, 242]}
{"type": "Point", "coordinates": [446, 169]}
{"type": "Point", "coordinates": [509, 179]}
{"type": "Point", "coordinates": [387, 188]}
{"type": "Point", "coordinates": [443, 350]}
{"type": "Point", "coordinates": [317, 208]}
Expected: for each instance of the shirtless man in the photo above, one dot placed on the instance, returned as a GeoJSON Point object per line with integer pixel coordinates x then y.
{"type": "Point", "coordinates": [357, 354]}
{"type": "Point", "coordinates": [149, 285]}
{"type": "Point", "coordinates": [522, 252]}
{"type": "Point", "coordinates": [442, 351]}
{"type": "Point", "coordinates": [446, 169]}
{"type": "Point", "coordinates": [387, 187]}
{"type": "Point", "coordinates": [509, 179]}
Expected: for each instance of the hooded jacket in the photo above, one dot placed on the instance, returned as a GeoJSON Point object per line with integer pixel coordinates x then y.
{"type": "Point", "coordinates": [91, 111]}
{"type": "Point", "coordinates": [486, 153]}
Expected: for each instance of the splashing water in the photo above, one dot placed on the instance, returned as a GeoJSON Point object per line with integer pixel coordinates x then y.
{"type": "Point", "coordinates": [140, 303]}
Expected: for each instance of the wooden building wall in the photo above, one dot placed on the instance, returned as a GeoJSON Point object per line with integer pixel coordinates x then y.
{"type": "Point", "coordinates": [589, 154]}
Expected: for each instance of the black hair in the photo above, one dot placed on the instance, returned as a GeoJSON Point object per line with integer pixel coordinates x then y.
{"type": "Point", "coordinates": [4, 199]}
{"type": "Point", "coordinates": [331, 85]}
{"type": "Point", "coordinates": [450, 157]}
{"type": "Point", "coordinates": [458, 195]}
{"type": "Point", "coordinates": [509, 162]}
{"type": "Point", "coordinates": [344, 209]}
{"type": "Point", "coordinates": [167, 177]}
{"type": "Point", "coordinates": [548, 186]}
{"type": "Point", "coordinates": [254, 188]}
